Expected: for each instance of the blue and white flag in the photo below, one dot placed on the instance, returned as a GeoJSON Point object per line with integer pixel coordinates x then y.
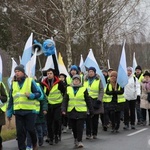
{"type": "Point", "coordinates": [31, 66]}
{"type": "Point", "coordinates": [81, 65]}
{"type": "Point", "coordinates": [26, 56]}
{"type": "Point", "coordinates": [14, 65]}
{"type": "Point", "coordinates": [122, 78]}
{"type": "Point", "coordinates": [91, 62]}
{"type": "Point", "coordinates": [1, 68]}
{"type": "Point", "coordinates": [134, 65]}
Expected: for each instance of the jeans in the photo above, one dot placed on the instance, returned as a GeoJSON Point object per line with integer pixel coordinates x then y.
{"type": "Point", "coordinates": [138, 112]}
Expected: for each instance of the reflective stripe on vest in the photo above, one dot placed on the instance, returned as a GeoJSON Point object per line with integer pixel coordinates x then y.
{"type": "Point", "coordinates": [19, 97]}
{"type": "Point", "coordinates": [55, 96]}
{"type": "Point", "coordinates": [108, 98]}
{"type": "Point", "coordinates": [76, 101]}
{"type": "Point", "coordinates": [93, 89]}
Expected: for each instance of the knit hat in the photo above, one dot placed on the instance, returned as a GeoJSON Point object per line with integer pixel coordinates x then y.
{"type": "Point", "coordinates": [74, 67]}
{"type": "Point", "coordinates": [76, 76]}
{"type": "Point", "coordinates": [130, 69]}
{"type": "Point", "coordinates": [146, 73]}
{"type": "Point", "coordinates": [113, 73]}
{"type": "Point", "coordinates": [138, 67]}
{"type": "Point", "coordinates": [92, 68]}
{"type": "Point", "coordinates": [20, 68]}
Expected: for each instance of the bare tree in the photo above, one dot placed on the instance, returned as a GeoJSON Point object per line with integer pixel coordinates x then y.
{"type": "Point", "coordinates": [91, 23]}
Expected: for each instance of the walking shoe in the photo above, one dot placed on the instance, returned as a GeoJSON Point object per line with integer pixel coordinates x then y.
{"type": "Point", "coordinates": [88, 137]}
{"type": "Point", "coordinates": [94, 136]}
{"type": "Point", "coordinates": [80, 145]}
{"type": "Point", "coordinates": [56, 139]}
{"type": "Point", "coordinates": [27, 148]}
{"type": "Point", "coordinates": [41, 141]}
{"type": "Point", "coordinates": [47, 140]}
{"type": "Point", "coordinates": [126, 127]}
{"type": "Point", "coordinates": [132, 127]}
{"type": "Point", "coordinates": [51, 142]}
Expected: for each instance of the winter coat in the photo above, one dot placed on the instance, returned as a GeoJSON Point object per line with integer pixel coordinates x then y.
{"type": "Point", "coordinates": [114, 105]}
{"type": "Point", "coordinates": [132, 89]}
{"type": "Point", "coordinates": [99, 109]}
{"type": "Point", "coordinates": [3, 98]}
{"type": "Point", "coordinates": [145, 88]}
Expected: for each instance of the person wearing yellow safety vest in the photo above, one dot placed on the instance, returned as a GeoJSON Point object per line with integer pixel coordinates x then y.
{"type": "Point", "coordinates": [76, 103]}
{"type": "Point", "coordinates": [113, 100]}
{"type": "Point", "coordinates": [54, 90]}
{"type": "Point", "coordinates": [22, 103]}
{"type": "Point", "coordinates": [95, 88]}
{"type": "Point", "coordinates": [139, 75]}
{"type": "Point", "coordinates": [3, 107]}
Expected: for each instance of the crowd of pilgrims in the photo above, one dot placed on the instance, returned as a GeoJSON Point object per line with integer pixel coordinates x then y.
{"type": "Point", "coordinates": [79, 101]}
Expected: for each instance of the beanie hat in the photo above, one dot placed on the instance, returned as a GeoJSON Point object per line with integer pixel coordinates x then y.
{"type": "Point", "coordinates": [76, 76]}
{"type": "Point", "coordinates": [92, 68]}
{"type": "Point", "coordinates": [20, 68]}
{"type": "Point", "coordinates": [113, 73]}
{"type": "Point", "coordinates": [130, 69]}
{"type": "Point", "coordinates": [74, 67]}
{"type": "Point", "coordinates": [146, 73]}
{"type": "Point", "coordinates": [138, 67]}
{"type": "Point", "coordinates": [104, 70]}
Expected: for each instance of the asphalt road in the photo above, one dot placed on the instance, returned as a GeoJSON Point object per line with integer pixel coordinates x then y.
{"type": "Point", "coordinates": [138, 139]}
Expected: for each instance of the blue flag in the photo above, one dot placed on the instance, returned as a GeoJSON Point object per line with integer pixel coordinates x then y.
{"type": "Point", "coordinates": [122, 78]}
{"type": "Point", "coordinates": [91, 62]}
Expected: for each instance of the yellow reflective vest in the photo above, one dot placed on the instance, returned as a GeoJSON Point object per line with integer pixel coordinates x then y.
{"type": "Point", "coordinates": [108, 98]}
{"type": "Point", "coordinates": [76, 101]}
{"type": "Point", "coordinates": [93, 89]}
{"type": "Point", "coordinates": [55, 96]}
{"type": "Point", "coordinates": [4, 106]}
{"type": "Point", "coordinates": [19, 97]}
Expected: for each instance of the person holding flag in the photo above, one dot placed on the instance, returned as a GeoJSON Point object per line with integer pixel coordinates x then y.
{"type": "Point", "coordinates": [24, 93]}
{"type": "Point", "coordinates": [113, 100]}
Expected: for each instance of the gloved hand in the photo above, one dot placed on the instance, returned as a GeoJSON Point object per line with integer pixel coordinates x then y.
{"type": "Point", "coordinates": [138, 99]}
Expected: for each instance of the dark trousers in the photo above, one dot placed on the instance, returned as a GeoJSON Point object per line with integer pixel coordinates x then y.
{"type": "Point", "coordinates": [24, 124]}
{"type": "Point", "coordinates": [138, 112]}
{"type": "Point", "coordinates": [77, 128]}
{"type": "Point", "coordinates": [144, 111]}
{"type": "Point", "coordinates": [92, 124]}
{"type": "Point", "coordinates": [115, 119]}
{"type": "Point", "coordinates": [0, 138]}
{"type": "Point", "coordinates": [129, 112]}
{"type": "Point", "coordinates": [53, 121]}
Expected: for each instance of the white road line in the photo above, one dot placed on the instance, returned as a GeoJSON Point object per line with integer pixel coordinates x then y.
{"type": "Point", "coordinates": [137, 132]}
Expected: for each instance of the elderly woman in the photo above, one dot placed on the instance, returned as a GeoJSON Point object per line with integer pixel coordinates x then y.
{"type": "Point", "coordinates": [75, 104]}
{"type": "Point", "coordinates": [145, 96]}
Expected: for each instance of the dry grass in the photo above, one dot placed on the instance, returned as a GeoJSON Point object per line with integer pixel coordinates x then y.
{"type": "Point", "coordinates": [9, 130]}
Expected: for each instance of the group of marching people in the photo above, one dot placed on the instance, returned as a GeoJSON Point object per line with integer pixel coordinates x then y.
{"type": "Point", "coordinates": [43, 107]}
